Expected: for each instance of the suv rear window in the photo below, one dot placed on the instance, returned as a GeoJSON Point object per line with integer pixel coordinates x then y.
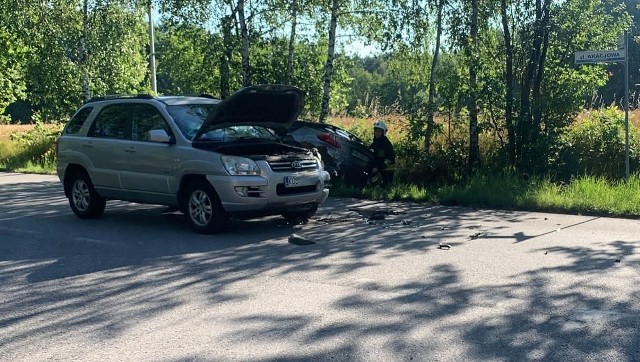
{"type": "Point", "coordinates": [129, 121]}
{"type": "Point", "coordinates": [112, 122]}
{"type": "Point", "coordinates": [77, 121]}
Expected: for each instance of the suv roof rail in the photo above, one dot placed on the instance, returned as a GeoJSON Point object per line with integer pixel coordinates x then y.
{"type": "Point", "coordinates": [121, 96]}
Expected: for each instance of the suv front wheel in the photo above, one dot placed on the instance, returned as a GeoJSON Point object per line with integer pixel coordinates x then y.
{"type": "Point", "coordinates": [83, 198]}
{"type": "Point", "coordinates": [203, 209]}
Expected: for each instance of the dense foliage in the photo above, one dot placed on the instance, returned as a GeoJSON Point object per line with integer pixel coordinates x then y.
{"type": "Point", "coordinates": [498, 77]}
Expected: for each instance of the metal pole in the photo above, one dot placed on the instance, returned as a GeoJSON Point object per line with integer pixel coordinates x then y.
{"type": "Point", "coordinates": [626, 102]}
{"type": "Point", "coordinates": [152, 51]}
{"type": "Point", "coordinates": [84, 52]}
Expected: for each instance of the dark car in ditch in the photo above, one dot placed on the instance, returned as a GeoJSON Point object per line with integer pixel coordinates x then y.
{"type": "Point", "coordinates": [346, 156]}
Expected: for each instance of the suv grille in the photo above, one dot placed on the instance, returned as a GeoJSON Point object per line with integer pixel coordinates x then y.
{"type": "Point", "coordinates": [296, 165]}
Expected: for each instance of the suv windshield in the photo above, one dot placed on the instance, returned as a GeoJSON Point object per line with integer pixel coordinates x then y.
{"type": "Point", "coordinates": [189, 117]}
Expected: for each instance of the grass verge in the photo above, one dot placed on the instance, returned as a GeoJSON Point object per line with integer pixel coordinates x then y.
{"type": "Point", "coordinates": [33, 151]}
{"type": "Point", "coordinates": [586, 195]}
{"type": "Point", "coordinates": [30, 149]}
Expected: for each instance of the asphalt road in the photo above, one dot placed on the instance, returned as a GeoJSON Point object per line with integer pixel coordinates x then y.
{"type": "Point", "coordinates": [138, 285]}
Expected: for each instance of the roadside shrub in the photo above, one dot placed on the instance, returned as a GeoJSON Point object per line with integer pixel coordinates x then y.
{"type": "Point", "coordinates": [595, 146]}
{"type": "Point", "coordinates": [37, 146]}
{"type": "Point", "coordinates": [445, 163]}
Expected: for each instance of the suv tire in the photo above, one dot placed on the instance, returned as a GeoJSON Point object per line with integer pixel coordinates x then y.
{"type": "Point", "coordinates": [83, 198]}
{"type": "Point", "coordinates": [203, 209]}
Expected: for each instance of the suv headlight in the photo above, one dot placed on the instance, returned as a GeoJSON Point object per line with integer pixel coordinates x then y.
{"type": "Point", "coordinates": [240, 165]}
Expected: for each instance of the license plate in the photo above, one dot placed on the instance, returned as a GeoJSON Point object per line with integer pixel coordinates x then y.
{"type": "Point", "coordinates": [290, 181]}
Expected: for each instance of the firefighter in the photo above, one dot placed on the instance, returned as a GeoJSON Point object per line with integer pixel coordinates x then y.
{"type": "Point", "coordinates": [381, 168]}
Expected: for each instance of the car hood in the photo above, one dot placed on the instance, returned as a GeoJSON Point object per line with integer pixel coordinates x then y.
{"type": "Point", "coordinates": [271, 106]}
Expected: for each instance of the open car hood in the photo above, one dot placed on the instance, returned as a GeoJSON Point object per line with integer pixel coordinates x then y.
{"type": "Point", "coordinates": [270, 106]}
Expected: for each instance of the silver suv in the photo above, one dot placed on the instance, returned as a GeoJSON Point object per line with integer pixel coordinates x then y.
{"type": "Point", "coordinates": [208, 158]}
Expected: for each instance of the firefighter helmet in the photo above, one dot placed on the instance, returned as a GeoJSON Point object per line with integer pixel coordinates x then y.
{"type": "Point", "coordinates": [380, 124]}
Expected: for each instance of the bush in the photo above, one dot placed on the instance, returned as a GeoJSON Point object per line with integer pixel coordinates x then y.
{"type": "Point", "coordinates": [446, 163]}
{"type": "Point", "coordinates": [37, 147]}
{"type": "Point", "coordinates": [595, 146]}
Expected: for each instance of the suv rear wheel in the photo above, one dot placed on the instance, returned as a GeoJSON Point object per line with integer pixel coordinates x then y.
{"type": "Point", "coordinates": [203, 209]}
{"type": "Point", "coordinates": [83, 198]}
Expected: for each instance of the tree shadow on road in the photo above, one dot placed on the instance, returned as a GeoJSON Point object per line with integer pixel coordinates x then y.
{"type": "Point", "coordinates": [138, 263]}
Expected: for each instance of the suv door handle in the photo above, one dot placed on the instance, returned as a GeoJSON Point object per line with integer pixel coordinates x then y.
{"type": "Point", "coordinates": [87, 144]}
{"type": "Point", "coordinates": [130, 149]}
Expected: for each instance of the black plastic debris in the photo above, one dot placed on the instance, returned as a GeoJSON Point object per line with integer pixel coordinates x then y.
{"type": "Point", "coordinates": [377, 215]}
{"type": "Point", "coordinates": [338, 218]}
{"type": "Point", "coordinates": [477, 235]}
{"type": "Point", "coordinates": [300, 240]}
{"type": "Point", "coordinates": [617, 260]}
{"type": "Point", "coordinates": [444, 246]}
{"type": "Point", "coordinates": [406, 222]}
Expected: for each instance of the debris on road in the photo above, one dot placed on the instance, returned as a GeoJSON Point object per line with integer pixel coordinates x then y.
{"type": "Point", "coordinates": [477, 235]}
{"type": "Point", "coordinates": [300, 240]}
{"type": "Point", "coordinates": [444, 246]}
{"type": "Point", "coordinates": [337, 218]}
{"type": "Point", "coordinates": [377, 215]}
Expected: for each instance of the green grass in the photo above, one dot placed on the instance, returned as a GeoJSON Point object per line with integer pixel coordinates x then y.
{"type": "Point", "coordinates": [591, 195]}
{"type": "Point", "coordinates": [585, 195]}
{"type": "Point", "coordinates": [19, 158]}
{"type": "Point", "coordinates": [30, 149]}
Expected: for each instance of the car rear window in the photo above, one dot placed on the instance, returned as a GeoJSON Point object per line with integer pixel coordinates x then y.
{"type": "Point", "coordinates": [76, 122]}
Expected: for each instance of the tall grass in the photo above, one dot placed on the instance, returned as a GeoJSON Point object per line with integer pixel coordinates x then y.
{"type": "Point", "coordinates": [593, 195]}
{"type": "Point", "coordinates": [32, 150]}
{"type": "Point", "coordinates": [584, 195]}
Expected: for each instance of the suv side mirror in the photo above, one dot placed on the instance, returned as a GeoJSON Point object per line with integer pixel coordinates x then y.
{"type": "Point", "coordinates": [159, 135]}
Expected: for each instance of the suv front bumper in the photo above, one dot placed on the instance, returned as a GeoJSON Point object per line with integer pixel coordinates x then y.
{"type": "Point", "coordinates": [268, 192]}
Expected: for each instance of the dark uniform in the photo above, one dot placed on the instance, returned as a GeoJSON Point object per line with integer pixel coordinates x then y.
{"type": "Point", "coordinates": [384, 160]}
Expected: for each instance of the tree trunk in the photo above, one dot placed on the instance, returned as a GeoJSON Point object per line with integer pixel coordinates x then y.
{"type": "Point", "coordinates": [431, 106]}
{"type": "Point", "coordinates": [526, 128]}
{"type": "Point", "coordinates": [537, 85]}
{"type": "Point", "coordinates": [292, 41]}
{"type": "Point", "coordinates": [474, 147]}
{"type": "Point", "coordinates": [244, 35]}
{"type": "Point", "coordinates": [225, 58]}
{"type": "Point", "coordinates": [510, 84]}
{"type": "Point", "coordinates": [328, 68]}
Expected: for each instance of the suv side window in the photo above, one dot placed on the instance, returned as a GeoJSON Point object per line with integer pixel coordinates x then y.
{"type": "Point", "coordinates": [113, 121]}
{"type": "Point", "coordinates": [78, 120]}
{"type": "Point", "coordinates": [146, 118]}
